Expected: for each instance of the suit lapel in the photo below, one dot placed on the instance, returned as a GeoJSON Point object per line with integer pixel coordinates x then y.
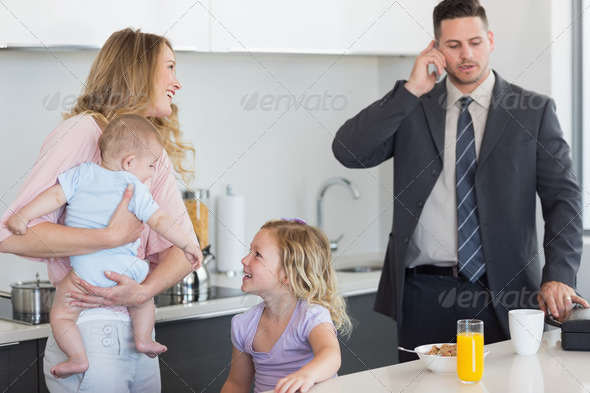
{"type": "Point", "coordinates": [500, 112]}
{"type": "Point", "coordinates": [434, 105]}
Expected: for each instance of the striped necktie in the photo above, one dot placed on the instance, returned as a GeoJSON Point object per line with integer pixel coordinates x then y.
{"type": "Point", "coordinates": [471, 260]}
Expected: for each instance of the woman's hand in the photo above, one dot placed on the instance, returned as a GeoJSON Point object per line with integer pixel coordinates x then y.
{"type": "Point", "coordinates": [127, 292]}
{"type": "Point", "coordinates": [124, 227]}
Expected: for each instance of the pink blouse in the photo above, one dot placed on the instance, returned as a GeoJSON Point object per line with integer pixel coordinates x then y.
{"type": "Point", "coordinates": [75, 141]}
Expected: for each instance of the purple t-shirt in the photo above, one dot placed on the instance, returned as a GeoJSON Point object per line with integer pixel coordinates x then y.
{"type": "Point", "coordinates": [291, 351]}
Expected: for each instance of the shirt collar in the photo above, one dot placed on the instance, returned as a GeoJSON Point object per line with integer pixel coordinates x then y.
{"type": "Point", "coordinates": [482, 94]}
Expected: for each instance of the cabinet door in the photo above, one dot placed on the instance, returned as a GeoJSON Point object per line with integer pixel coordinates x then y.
{"type": "Point", "coordinates": [71, 22]}
{"type": "Point", "coordinates": [19, 367]}
{"type": "Point", "coordinates": [304, 26]}
{"type": "Point", "coordinates": [373, 342]}
{"type": "Point", "coordinates": [41, 344]}
{"type": "Point", "coordinates": [388, 27]}
{"type": "Point", "coordinates": [330, 26]}
{"type": "Point", "coordinates": [199, 354]}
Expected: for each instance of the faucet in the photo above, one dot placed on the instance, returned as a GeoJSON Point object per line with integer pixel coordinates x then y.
{"type": "Point", "coordinates": [320, 202]}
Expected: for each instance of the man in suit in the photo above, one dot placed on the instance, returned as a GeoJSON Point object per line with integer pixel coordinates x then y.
{"type": "Point", "coordinates": [470, 155]}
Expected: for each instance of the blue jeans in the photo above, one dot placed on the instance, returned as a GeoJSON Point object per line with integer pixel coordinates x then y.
{"type": "Point", "coordinates": [115, 364]}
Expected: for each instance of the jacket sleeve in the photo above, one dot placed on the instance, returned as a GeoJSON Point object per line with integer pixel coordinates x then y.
{"type": "Point", "coordinates": [561, 202]}
{"type": "Point", "coordinates": [367, 139]}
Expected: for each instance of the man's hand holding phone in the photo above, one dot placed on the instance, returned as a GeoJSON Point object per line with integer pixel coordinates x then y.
{"type": "Point", "coordinates": [421, 80]}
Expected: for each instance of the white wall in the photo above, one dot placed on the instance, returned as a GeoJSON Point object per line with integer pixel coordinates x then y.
{"type": "Point", "coordinates": [234, 108]}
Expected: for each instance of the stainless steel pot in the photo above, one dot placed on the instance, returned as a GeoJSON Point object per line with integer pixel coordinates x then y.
{"type": "Point", "coordinates": [193, 287]}
{"type": "Point", "coordinates": [32, 300]}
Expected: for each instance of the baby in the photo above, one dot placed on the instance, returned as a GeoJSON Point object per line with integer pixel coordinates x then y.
{"type": "Point", "coordinates": [130, 146]}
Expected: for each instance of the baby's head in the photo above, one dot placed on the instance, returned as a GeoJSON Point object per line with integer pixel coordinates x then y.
{"type": "Point", "coordinates": [131, 143]}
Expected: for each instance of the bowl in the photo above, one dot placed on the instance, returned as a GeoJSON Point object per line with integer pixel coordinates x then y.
{"type": "Point", "coordinates": [443, 365]}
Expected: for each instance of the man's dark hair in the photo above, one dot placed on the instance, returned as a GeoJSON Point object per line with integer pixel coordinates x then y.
{"type": "Point", "coordinates": [451, 9]}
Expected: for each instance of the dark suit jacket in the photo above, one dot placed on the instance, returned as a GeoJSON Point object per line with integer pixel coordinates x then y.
{"type": "Point", "coordinates": [522, 154]}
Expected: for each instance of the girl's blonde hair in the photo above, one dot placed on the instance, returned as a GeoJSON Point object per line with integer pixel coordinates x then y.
{"type": "Point", "coordinates": [306, 257]}
{"type": "Point", "coordinates": [121, 80]}
{"type": "Point", "coordinates": [127, 134]}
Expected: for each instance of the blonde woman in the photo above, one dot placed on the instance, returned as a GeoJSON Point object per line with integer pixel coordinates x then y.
{"type": "Point", "coordinates": [133, 72]}
{"type": "Point", "coordinates": [288, 342]}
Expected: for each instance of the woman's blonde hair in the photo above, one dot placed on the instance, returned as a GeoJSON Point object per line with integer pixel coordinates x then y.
{"type": "Point", "coordinates": [121, 80]}
{"type": "Point", "coordinates": [306, 257]}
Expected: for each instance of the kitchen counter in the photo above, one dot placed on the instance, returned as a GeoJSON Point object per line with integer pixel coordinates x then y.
{"type": "Point", "coordinates": [551, 370]}
{"type": "Point", "coordinates": [350, 284]}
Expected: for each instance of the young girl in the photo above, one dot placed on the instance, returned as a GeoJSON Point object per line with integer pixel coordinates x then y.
{"type": "Point", "coordinates": [287, 342]}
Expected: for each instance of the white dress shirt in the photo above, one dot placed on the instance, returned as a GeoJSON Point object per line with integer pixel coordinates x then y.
{"type": "Point", "coordinates": [434, 241]}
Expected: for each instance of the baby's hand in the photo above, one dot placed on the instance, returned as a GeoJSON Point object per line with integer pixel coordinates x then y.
{"type": "Point", "coordinates": [298, 381]}
{"type": "Point", "coordinates": [194, 255]}
{"type": "Point", "coordinates": [17, 225]}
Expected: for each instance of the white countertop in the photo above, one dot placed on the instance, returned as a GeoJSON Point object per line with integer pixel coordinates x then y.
{"type": "Point", "coordinates": [551, 370]}
{"type": "Point", "coordinates": [350, 284]}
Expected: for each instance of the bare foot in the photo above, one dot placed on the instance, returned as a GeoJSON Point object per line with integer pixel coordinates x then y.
{"type": "Point", "coordinates": [74, 365]}
{"type": "Point", "coordinates": [150, 347]}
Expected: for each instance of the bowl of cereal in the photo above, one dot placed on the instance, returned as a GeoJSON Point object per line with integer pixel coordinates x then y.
{"type": "Point", "coordinates": [441, 358]}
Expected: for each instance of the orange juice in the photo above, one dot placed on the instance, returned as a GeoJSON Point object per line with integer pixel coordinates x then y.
{"type": "Point", "coordinates": [470, 356]}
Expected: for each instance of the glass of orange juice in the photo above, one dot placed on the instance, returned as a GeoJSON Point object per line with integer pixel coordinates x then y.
{"type": "Point", "coordinates": [469, 350]}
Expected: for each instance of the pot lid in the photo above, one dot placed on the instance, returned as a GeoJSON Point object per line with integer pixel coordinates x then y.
{"type": "Point", "coordinates": [32, 284]}
{"type": "Point", "coordinates": [45, 284]}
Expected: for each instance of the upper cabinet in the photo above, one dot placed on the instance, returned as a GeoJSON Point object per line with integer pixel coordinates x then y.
{"type": "Point", "coordinates": [328, 26]}
{"type": "Point", "coordinates": [304, 26]}
{"type": "Point", "coordinates": [63, 23]}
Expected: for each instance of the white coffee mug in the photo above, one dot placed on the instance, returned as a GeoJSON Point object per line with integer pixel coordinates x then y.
{"type": "Point", "coordinates": [526, 330]}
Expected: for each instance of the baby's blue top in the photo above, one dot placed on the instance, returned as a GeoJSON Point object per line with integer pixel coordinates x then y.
{"type": "Point", "coordinates": [291, 351]}
{"type": "Point", "coordinates": [93, 193]}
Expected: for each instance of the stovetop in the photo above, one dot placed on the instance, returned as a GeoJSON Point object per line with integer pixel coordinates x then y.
{"type": "Point", "coordinates": [164, 299]}
{"type": "Point", "coordinates": [170, 298]}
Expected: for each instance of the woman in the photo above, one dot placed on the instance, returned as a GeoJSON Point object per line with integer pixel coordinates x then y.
{"type": "Point", "coordinates": [133, 72]}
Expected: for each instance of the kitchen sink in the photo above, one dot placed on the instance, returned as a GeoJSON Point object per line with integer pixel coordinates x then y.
{"type": "Point", "coordinates": [360, 269]}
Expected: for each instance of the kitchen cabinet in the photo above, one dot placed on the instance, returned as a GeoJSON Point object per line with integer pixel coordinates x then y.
{"type": "Point", "coordinates": [371, 27]}
{"type": "Point", "coordinates": [330, 26]}
{"type": "Point", "coordinates": [198, 356]}
{"type": "Point", "coordinates": [373, 342]}
{"type": "Point", "coordinates": [41, 344]}
{"type": "Point", "coordinates": [19, 367]}
{"type": "Point", "coordinates": [64, 23]}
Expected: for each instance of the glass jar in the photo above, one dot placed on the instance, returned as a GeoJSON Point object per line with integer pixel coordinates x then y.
{"type": "Point", "coordinates": [195, 202]}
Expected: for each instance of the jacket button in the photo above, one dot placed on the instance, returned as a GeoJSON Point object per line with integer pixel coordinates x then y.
{"type": "Point", "coordinates": [420, 204]}
{"type": "Point", "coordinates": [108, 329]}
{"type": "Point", "coordinates": [435, 172]}
{"type": "Point", "coordinates": [406, 240]}
{"type": "Point", "coordinates": [107, 342]}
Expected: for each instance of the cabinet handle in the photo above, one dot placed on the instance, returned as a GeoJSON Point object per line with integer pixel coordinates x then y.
{"type": "Point", "coordinates": [10, 344]}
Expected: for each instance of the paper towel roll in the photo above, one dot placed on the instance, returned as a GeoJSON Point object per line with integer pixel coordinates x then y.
{"type": "Point", "coordinates": [230, 233]}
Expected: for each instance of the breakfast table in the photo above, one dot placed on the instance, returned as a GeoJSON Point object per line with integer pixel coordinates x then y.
{"type": "Point", "coordinates": [551, 370]}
